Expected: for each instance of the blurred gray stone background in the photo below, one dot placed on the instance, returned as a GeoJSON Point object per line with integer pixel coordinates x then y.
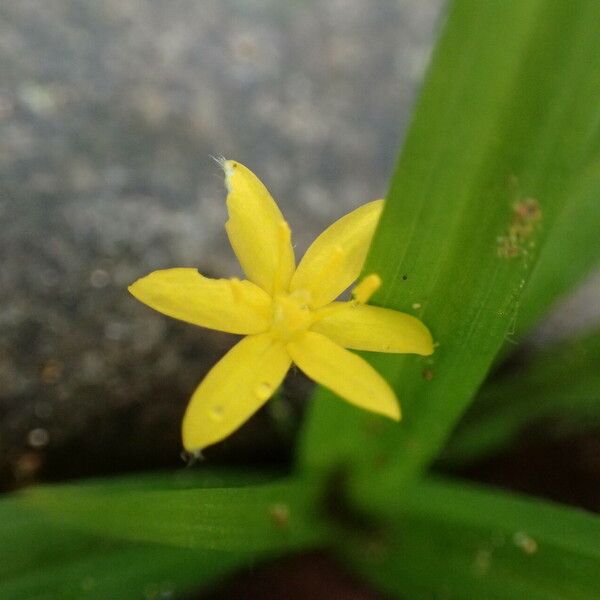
{"type": "Point", "coordinates": [109, 112]}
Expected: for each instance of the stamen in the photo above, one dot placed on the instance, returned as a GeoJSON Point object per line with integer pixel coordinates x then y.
{"type": "Point", "coordinates": [289, 317]}
{"type": "Point", "coordinates": [361, 294]}
{"type": "Point", "coordinates": [366, 288]}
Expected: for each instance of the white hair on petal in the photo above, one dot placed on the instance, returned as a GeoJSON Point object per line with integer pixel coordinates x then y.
{"type": "Point", "coordinates": [220, 160]}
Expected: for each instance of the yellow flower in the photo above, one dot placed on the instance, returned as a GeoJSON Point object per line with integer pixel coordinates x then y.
{"type": "Point", "coordinates": [287, 313]}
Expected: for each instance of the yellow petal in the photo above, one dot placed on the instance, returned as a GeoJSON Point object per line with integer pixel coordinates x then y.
{"type": "Point", "coordinates": [225, 304]}
{"type": "Point", "coordinates": [375, 329]}
{"type": "Point", "coordinates": [344, 373]}
{"type": "Point", "coordinates": [334, 260]}
{"type": "Point", "coordinates": [259, 235]}
{"type": "Point", "coordinates": [234, 389]}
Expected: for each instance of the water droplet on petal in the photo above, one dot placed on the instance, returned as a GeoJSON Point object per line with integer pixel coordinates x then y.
{"type": "Point", "coordinates": [264, 390]}
{"type": "Point", "coordinates": [216, 412]}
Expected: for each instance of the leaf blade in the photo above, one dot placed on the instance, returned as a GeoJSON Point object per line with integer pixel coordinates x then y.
{"type": "Point", "coordinates": [560, 382]}
{"type": "Point", "coordinates": [495, 132]}
{"type": "Point", "coordinates": [453, 540]}
{"type": "Point", "coordinates": [40, 558]}
{"type": "Point", "coordinates": [188, 511]}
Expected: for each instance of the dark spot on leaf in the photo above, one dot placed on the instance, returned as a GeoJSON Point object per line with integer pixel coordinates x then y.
{"type": "Point", "coordinates": [427, 374]}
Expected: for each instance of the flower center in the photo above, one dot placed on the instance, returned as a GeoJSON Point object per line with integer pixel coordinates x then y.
{"type": "Point", "coordinates": [291, 315]}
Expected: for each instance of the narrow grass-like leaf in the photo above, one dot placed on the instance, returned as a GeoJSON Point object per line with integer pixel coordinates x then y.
{"type": "Point", "coordinates": [507, 123]}
{"type": "Point", "coordinates": [28, 541]}
{"type": "Point", "coordinates": [572, 251]}
{"type": "Point", "coordinates": [42, 556]}
{"type": "Point", "coordinates": [561, 382]}
{"type": "Point", "coordinates": [122, 572]}
{"type": "Point", "coordinates": [454, 541]}
{"type": "Point", "coordinates": [183, 511]}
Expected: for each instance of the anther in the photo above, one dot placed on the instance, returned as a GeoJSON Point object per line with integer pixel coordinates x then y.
{"type": "Point", "coordinates": [366, 288]}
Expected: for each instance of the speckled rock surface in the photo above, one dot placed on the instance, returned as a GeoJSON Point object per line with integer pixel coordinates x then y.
{"type": "Point", "coordinates": [109, 112]}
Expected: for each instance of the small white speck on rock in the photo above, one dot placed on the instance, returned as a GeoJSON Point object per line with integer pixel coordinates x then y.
{"type": "Point", "coordinates": [38, 437]}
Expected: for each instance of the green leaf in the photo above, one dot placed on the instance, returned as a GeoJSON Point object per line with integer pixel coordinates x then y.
{"type": "Point", "coordinates": [571, 252]}
{"type": "Point", "coordinates": [454, 541]}
{"type": "Point", "coordinates": [560, 382]}
{"type": "Point", "coordinates": [186, 510]}
{"type": "Point", "coordinates": [45, 557]}
{"type": "Point", "coordinates": [121, 572]}
{"type": "Point", "coordinates": [28, 541]}
{"type": "Point", "coordinates": [91, 539]}
{"type": "Point", "coordinates": [506, 126]}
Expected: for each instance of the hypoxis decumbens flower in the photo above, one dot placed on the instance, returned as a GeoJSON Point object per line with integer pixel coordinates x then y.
{"type": "Point", "coordinates": [287, 313]}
